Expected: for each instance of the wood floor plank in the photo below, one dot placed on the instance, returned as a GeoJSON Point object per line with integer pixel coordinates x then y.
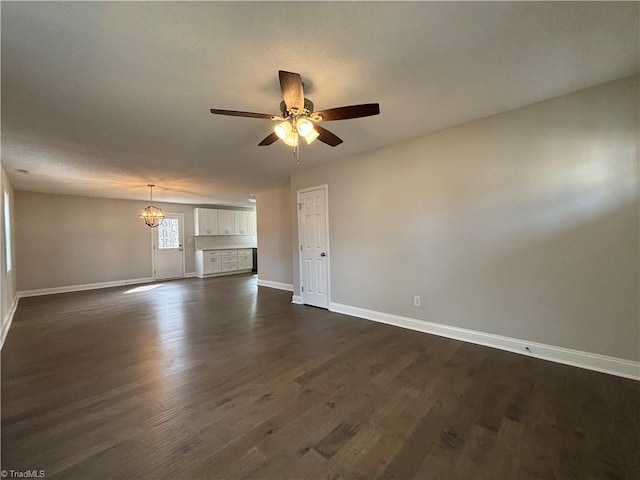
{"type": "Point", "coordinates": [506, 455]}
{"type": "Point", "coordinates": [219, 378]}
{"type": "Point", "coordinates": [311, 465]}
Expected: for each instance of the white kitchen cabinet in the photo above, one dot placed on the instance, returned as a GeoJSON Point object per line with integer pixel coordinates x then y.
{"type": "Point", "coordinates": [253, 229]}
{"type": "Point", "coordinates": [210, 221]}
{"type": "Point", "coordinates": [229, 260]}
{"type": "Point", "coordinates": [241, 222]}
{"type": "Point", "coordinates": [208, 262]}
{"type": "Point", "coordinates": [226, 222]}
{"type": "Point", "coordinates": [211, 263]}
{"type": "Point", "coordinates": [205, 221]}
{"type": "Point", "coordinates": [245, 259]}
{"type": "Point", "coordinates": [219, 262]}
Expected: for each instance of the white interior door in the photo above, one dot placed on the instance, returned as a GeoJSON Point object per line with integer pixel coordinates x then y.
{"type": "Point", "coordinates": [314, 247]}
{"type": "Point", "coordinates": [168, 253]}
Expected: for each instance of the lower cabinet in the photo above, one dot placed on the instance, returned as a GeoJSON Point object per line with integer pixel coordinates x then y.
{"type": "Point", "coordinates": [229, 259]}
{"type": "Point", "coordinates": [245, 259]}
{"type": "Point", "coordinates": [211, 262]}
{"type": "Point", "coordinates": [207, 262]}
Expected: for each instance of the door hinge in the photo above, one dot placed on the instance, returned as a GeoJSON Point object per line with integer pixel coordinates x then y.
{"type": "Point", "coordinates": [299, 206]}
{"type": "Point", "coordinates": [302, 288]}
{"type": "Point", "coordinates": [300, 247]}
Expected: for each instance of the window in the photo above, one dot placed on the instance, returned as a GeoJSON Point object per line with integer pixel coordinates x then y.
{"type": "Point", "coordinates": [169, 233]}
{"type": "Point", "coordinates": [7, 231]}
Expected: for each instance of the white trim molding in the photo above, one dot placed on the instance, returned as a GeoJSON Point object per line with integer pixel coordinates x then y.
{"type": "Point", "coordinates": [8, 318]}
{"type": "Point", "coordinates": [280, 286]}
{"type": "Point", "coordinates": [86, 286]}
{"type": "Point", "coordinates": [297, 299]}
{"type": "Point", "coordinates": [190, 275]}
{"type": "Point", "coordinates": [590, 361]}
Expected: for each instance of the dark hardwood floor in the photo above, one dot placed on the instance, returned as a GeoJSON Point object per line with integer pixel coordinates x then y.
{"type": "Point", "coordinates": [217, 378]}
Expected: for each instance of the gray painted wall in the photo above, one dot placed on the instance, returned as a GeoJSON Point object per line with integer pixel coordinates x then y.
{"type": "Point", "coordinates": [64, 240]}
{"type": "Point", "coordinates": [274, 236]}
{"type": "Point", "coordinates": [523, 224]}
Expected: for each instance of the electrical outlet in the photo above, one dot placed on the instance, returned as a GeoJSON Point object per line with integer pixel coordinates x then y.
{"type": "Point", "coordinates": [416, 300]}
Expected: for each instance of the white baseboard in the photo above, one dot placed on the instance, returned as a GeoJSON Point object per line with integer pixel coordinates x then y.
{"type": "Point", "coordinates": [8, 318]}
{"type": "Point", "coordinates": [86, 286]}
{"type": "Point", "coordinates": [190, 275]}
{"type": "Point", "coordinates": [280, 286]}
{"type": "Point", "coordinates": [297, 299]}
{"type": "Point", "coordinates": [576, 358]}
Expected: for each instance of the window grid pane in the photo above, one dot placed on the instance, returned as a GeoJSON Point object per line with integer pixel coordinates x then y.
{"type": "Point", "coordinates": [169, 234]}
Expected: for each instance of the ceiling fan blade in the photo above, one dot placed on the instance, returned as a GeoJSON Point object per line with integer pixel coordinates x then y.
{"type": "Point", "coordinates": [235, 113]}
{"type": "Point", "coordinates": [269, 139]}
{"type": "Point", "coordinates": [325, 136]}
{"type": "Point", "coordinates": [292, 90]}
{"type": "Point", "coordinates": [344, 113]}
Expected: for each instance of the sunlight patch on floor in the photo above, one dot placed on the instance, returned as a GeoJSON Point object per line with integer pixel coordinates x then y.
{"type": "Point", "coordinates": [143, 288]}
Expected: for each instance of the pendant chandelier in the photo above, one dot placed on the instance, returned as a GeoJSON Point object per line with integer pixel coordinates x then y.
{"type": "Point", "coordinates": [152, 215]}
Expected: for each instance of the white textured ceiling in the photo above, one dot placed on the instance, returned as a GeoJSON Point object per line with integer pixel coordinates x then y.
{"type": "Point", "coordinates": [100, 99]}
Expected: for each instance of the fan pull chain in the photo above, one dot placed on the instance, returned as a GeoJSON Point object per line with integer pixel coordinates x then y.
{"type": "Point", "coordinates": [296, 154]}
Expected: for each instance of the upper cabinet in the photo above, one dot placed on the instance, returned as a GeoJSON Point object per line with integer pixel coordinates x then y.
{"type": "Point", "coordinates": [241, 221]}
{"type": "Point", "coordinates": [253, 228]}
{"type": "Point", "coordinates": [226, 222]}
{"type": "Point", "coordinates": [206, 221]}
{"type": "Point", "coordinates": [209, 221]}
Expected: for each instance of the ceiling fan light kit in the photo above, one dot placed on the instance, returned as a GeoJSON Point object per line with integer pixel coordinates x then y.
{"type": "Point", "coordinates": [283, 130]}
{"type": "Point", "coordinates": [298, 118]}
{"type": "Point", "coordinates": [292, 139]}
{"type": "Point", "coordinates": [304, 126]}
{"type": "Point", "coordinates": [311, 136]}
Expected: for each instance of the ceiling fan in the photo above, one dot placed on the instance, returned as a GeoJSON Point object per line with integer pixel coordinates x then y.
{"type": "Point", "coordinates": [298, 119]}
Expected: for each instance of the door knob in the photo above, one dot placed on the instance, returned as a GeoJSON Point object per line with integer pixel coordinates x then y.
{"type": "Point", "coordinates": [323, 254]}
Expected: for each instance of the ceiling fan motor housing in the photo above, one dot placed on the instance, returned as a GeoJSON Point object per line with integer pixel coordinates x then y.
{"type": "Point", "coordinates": [308, 108]}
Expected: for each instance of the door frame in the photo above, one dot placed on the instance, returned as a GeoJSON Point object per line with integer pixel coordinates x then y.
{"type": "Point", "coordinates": [153, 247]}
{"type": "Point", "coordinates": [324, 187]}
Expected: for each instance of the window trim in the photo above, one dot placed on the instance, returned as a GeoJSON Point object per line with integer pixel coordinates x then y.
{"type": "Point", "coordinates": [8, 250]}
